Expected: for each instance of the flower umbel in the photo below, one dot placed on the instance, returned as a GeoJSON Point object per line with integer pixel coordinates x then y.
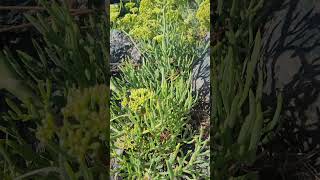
{"type": "Point", "coordinates": [137, 99]}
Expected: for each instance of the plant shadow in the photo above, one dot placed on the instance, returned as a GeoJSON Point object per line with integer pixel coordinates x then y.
{"type": "Point", "coordinates": [291, 58]}
{"type": "Point", "coordinates": [201, 84]}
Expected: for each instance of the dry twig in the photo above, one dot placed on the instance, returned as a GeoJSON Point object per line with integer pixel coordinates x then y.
{"type": "Point", "coordinates": [76, 12]}
{"type": "Point", "coordinates": [26, 8]}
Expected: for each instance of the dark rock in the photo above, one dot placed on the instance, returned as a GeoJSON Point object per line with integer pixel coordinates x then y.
{"type": "Point", "coordinates": [291, 55]}
{"type": "Point", "coordinates": [114, 1]}
{"type": "Point", "coordinates": [122, 48]}
{"type": "Point", "coordinates": [118, 1]}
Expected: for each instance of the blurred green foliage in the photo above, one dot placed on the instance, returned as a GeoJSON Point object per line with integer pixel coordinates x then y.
{"type": "Point", "coordinates": [66, 112]}
{"type": "Point", "coordinates": [239, 123]}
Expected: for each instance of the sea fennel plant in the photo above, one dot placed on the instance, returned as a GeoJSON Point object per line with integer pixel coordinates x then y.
{"type": "Point", "coordinates": [151, 132]}
{"type": "Point", "coordinates": [62, 131]}
{"type": "Point", "coordinates": [140, 18]}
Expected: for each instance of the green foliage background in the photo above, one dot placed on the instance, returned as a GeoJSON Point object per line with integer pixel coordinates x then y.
{"type": "Point", "coordinates": [239, 122]}
{"type": "Point", "coordinates": [62, 98]}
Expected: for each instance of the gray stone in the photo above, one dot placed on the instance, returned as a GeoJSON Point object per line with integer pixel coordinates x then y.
{"type": "Point", "coordinates": [122, 48]}
{"type": "Point", "coordinates": [114, 165]}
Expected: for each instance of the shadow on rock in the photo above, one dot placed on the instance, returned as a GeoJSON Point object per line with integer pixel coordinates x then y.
{"type": "Point", "coordinates": [291, 55]}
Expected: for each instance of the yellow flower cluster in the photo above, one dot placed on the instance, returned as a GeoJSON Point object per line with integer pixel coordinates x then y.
{"type": "Point", "coordinates": [46, 131]}
{"type": "Point", "coordinates": [144, 23]}
{"type": "Point", "coordinates": [158, 38]}
{"type": "Point", "coordinates": [130, 5]}
{"type": "Point", "coordinates": [126, 141]}
{"type": "Point", "coordinates": [203, 15]}
{"type": "Point", "coordinates": [137, 99]}
{"type": "Point", "coordinates": [114, 12]}
{"type": "Point", "coordinates": [85, 120]}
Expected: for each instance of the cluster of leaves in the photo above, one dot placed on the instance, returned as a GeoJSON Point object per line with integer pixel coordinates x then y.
{"type": "Point", "coordinates": [140, 19]}
{"type": "Point", "coordinates": [66, 106]}
{"type": "Point", "coordinates": [240, 124]}
{"type": "Point", "coordinates": [151, 135]}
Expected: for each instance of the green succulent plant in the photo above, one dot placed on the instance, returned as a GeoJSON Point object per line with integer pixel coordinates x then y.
{"type": "Point", "coordinates": [142, 20]}
{"type": "Point", "coordinates": [151, 106]}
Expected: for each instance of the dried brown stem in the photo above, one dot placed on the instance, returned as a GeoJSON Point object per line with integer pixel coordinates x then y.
{"type": "Point", "coordinates": [79, 12]}
{"type": "Point", "coordinates": [16, 27]}
{"type": "Point", "coordinates": [26, 8]}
